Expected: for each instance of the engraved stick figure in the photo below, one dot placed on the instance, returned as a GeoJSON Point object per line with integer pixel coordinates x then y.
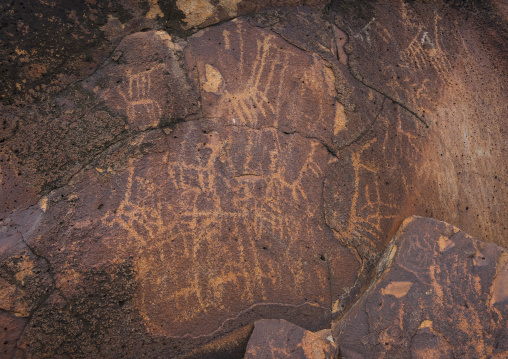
{"type": "Point", "coordinates": [137, 98]}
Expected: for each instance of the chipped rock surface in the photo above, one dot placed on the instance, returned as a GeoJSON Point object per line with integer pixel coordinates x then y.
{"type": "Point", "coordinates": [438, 293]}
{"type": "Point", "coordinates": [173, 171]}
{"type": "Point", "coordinates": [273, 338]}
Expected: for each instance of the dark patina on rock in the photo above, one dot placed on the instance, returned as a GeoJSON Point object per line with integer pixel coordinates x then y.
{"type": "Point", "coordinates": [438, 293]}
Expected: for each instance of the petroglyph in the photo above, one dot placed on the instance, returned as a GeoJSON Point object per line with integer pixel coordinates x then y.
{"type": "Point", "coordinates": [426, 40]}
{"type": "Point", "coordinates": [241, 218]}
{"type": "Point", "coordinates": [424, 53]}
{"type": "Point", "coordinates": [340, 119]}
{"type": "Point", "coordinates": [214, 79]}
{"type": "Point", "coordinates": [364, 204]}
{"type": "Point", "coordinates": [147, 84]}
{"type": "Point", "coordinates": [429, 291]}
{"type": "Point", "coordinates": [260, 80]}
{"type": "Point", "coordinates": [201, 181]}
{"type": "Point", "coordinates": [140, 106]}
{"type": "Point", "coordinates": [367, 201]}
{"type": "Point", "coordinates": [364, 33]}
{"type": "Point", "coordinates": [397, 289]}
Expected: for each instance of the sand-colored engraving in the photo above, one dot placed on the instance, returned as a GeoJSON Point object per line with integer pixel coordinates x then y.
{"type": "Point", "coordinates": [426, 49]}
{"type": "Point", "coordinates": [253, 192]}
{"type": "Point", "coordinates": [374, 205]}
{"type": "Point", "coordinates": [142, 110]}
{"type": "Point", "coordinates": [260, 84]}
{"type": "Point", "coordinates": [445, 243]}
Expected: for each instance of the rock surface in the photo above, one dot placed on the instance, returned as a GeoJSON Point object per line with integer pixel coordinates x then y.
{"type": "Point", "coordinates": [446, 66]}
{"type": "Point", "coordinates": [438, 293]}
{"type": "Point", "coordinates": [274, 338]}
{"type": "Point", "coordinates": [164, 183]}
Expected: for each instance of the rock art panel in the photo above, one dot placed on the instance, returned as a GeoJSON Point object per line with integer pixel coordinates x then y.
{"type": "Point", "coordinates": [369, 190]}
{"type": "Point", "coordinates": [437, 292]}
{"type": "Point", "coordinates": [141, 86]}
{"type": "Point", "coordinates": [375, 142]}
{"type": "Point", "coordinates": [144, 81]}
{"type": "Point", "coordinates": [168, 189]}
{"type": "Point", "coordinates": [252, 77]}
{"type": "Point", "coordinates": [446, 67]}
{"type": "Point", "coordinates": [48, 47]}
{"type": "Point", "coordinates": [274, 338]}
{"type": "Point", "coordinates": [222, 223]}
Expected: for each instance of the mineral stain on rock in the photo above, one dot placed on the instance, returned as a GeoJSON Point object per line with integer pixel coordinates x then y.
{"type": "Point", "coordinates": [183, 177]}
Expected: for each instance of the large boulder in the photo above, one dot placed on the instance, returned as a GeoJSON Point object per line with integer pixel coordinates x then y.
{"type": "Point", "coordinates": [438, 293]}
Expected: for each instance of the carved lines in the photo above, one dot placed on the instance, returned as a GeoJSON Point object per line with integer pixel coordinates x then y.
{"type": "Point", "coordinates": [427, 53]}
{"type": "Point", "coordinates": [137, 97]}
{"type": "Point", "coordinates": [206, 251]}
{"type": "Point", "coordinates": [254, 97]}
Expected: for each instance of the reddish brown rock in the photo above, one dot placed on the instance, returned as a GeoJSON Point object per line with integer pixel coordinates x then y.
{"type": "Point", "coordinates": [141, 86]}
{"type": "Point", "coordinates": [274, 338]}
{"type": "Point", "coordinates": [11, 328]}
{"type": "Point", "coordinates": [168, 190]}
{"type": "Point", "coordinates": [144, 82]}
{"type": "Point", "coordinates": [203, 13]}
{"type": "Point", "coordinates": [446, 65]}
{"type": "Point", "coordinates": [297, 92]}
{"type": "Point", "coordinates": [437, 293]}
{"type": "Point", "coordinates": [217, 222]}
{"type": "Point", "coordinates": [25, 280]}
{"type": "Point", "coordinates": [48, 46]}
{"type": "Point", "coordinates": [243, 213]}
{"type": "Point", "coordinates": [208, 256]}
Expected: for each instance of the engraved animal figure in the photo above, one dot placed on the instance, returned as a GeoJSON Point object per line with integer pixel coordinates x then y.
{"type": "Point", "coordinates": [140, 107]}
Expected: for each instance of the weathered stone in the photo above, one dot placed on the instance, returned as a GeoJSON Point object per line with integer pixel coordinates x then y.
{"type": "Point", "coordinates": [296, 92]}
{"type": "Point", "coordinates": [448, 67]}
{"type": "Point", "coordinates": [46, 46]}
{"type": "Point", "coordinates": [166, 183]}
{"type": "Point", "coordinates": [144, 82]}
{"type": "Point", "coordinates": [222, 223]}
{"type": "Point", "coordinates": [25, 280]}
{"type": "Point", "coordinates": [437, 293]}
{"type": "Point", "coordinates": [144, 88]}
{"type": "Point", "coordinates": [273, 338]}
{"type": "Point", "coordinates": [11, 328]}
{"type": "Point", "coordinates": [203, 13]}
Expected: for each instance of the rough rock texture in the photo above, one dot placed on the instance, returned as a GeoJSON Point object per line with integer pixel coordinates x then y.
{"type": "Point", "coordinates": [11, 328]}
{"type": "Point", "coordinates": [164, 183]}
{"type": "Point", "coordinates": [47, 45]}
{"type": "Point", "coordinates": [446, 66]}
{"type": "Point", "coordinates": [438, 293]}
{"type": "Point", "coordinates": [274, 338]}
